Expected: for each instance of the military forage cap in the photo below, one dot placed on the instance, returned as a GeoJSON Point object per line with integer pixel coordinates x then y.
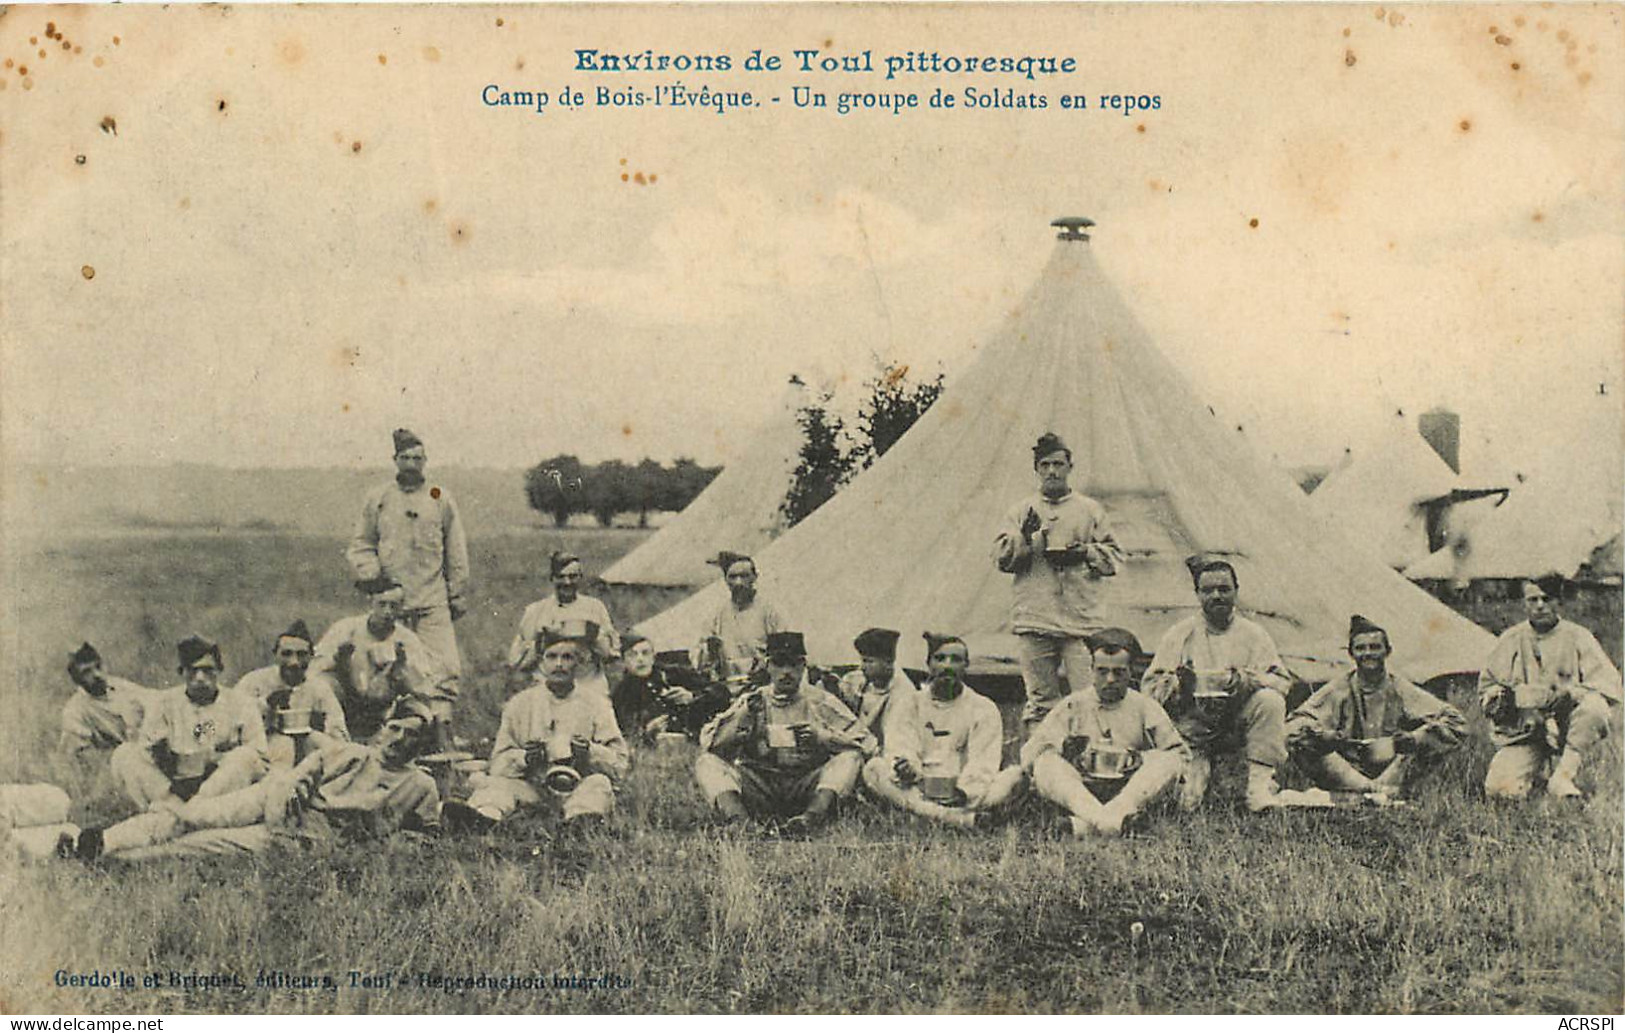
{"type": "Point", "coordinates": [935, 640]}
{"type": "Point", "coordinates": [559, 560]}
{"type": "Point", "coordinates": [297, 630]}
{"type": "Point", "coordinates": [786, 645]}
{"type": "Point", "coordinates": [193, 648]}
{"type": "Point", "coordinates": [570, 631]}
{"type": "Point", "coordinates": [726, 559]}
{"type": "Point", "coordinates": [1115, 640]}
{"type": "Point", "coordinates": [1048, 443]}
{"type": "Point", "coordinates": [405, 439]}
{"type": "Point", "coordinates": [85, 654]}
{"type": "Point", "coordinates": [1553, 585]}
{"type": "Point", "coordinates": [1201, 563]}
{"type": "Point", "coordinates": [880, 643]}
{"type": "Point", "coordinates": [384, 586]}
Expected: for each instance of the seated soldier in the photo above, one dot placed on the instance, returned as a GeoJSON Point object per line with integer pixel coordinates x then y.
{"type": "Point", "coordinates": [1220, 677]}
{"type": "Point", "coordinates": [565, 604]}
{"type": "Point", "coordinates": [347, 790]}
{"type": "Point", "coordinates": [1105, 752]}
{"type": "Point", "coordinates": [877, 685]}
{"type": "Point", "coordinates": [372, 659]}
{"type": "Point", "coordinates": [942, 745]}
{"type": "Point", "coordinates": [647, 702]}
{"type": "Point", "coordinates": [556, 741]}
{"type": "Point", "coordinates": [287, 698]}
{"type": "Point", "coordinates": [105, 712]}
{"type": "Point", "coordinates": [733, 650]}
{"type": "Point", "coordinates": [785, 750]}
{"type": "Point", "coordinates": [1547, 689]}
{"type": "Point", "coordinates": [199, 741]}
{"type": "Point", "coordinates": [1365, 731]}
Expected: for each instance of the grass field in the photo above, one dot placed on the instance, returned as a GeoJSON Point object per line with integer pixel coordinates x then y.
{"type": "Point", "coordinates": [1448, 906]}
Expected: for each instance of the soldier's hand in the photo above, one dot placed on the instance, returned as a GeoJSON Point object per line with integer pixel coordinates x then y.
{"type": "Point", "coordinates": [677, 696]}
{"type": "Point", "coordinates": [1074, 747]}
{"type": "Point", "coordinates": [1030, 523]}
{"type": "Point", "coordinates": [535, 756]}
{"type": "Point", "coordinates": [904, 772]}
{"type": "Point", "coordinates": [758, 705]}
{"type": "Point", "coordinates": [806, 737]}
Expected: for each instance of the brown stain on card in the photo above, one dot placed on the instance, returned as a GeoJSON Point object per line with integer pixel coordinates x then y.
{"type": "Point", "coordinates": [431, 54]}
{"type": "Point", "coordinates": [290, 51]}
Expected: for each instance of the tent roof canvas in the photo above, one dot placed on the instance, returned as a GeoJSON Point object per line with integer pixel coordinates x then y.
{"type": "Point", "coordinates": [1572, 504]}
{"type": "Point", "coordinates": [738, 511]}
{"type": "Point", "coordinates": [1374, 498]}
{"type": "Point", "coordinates": [908, 543]}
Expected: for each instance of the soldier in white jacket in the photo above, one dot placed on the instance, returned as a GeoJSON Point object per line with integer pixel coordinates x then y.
{"type": "Point", "coordinates": [942, 746]}
{"type": "Point", "coordinates": [1059, 545]}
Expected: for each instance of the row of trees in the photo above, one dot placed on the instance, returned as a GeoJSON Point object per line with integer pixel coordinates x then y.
{"type": "Point", "coordinates": [564, 486]}
{"type": "Point", "coordinates": [831, 454]}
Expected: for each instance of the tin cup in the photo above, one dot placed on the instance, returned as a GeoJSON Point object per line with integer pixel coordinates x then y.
{"type": "Point", "coordinates": [193, 764]}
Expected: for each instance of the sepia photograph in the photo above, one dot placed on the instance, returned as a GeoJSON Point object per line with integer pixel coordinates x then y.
{"type": "Point", "coordinates": [1099, 509]}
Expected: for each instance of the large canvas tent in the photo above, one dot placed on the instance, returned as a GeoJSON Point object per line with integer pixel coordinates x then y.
{"type": "Point", "coordinates": [737, 511]}
{"type": "Point", "coordinates": [908, 544]}
{"type": "Point", "coordinates": [1375, 497]}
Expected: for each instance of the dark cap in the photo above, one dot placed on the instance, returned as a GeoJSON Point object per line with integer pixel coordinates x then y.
{"type": "Point", "coordinates": [193, 648]}
{"type": "Point", "coordinates": [559, 560]}
{"type": "Point", "coordinates": [405, 439]}
{"type": "Point", "coordinates": [786, 645]}
{"type": "Point", "coordinates": [379, 585]}
{"type": "Point", "coordinates": [880, 643]}
{"type": "Point", "coordinates": [1359, 625]}
{"type": "Point", "coordinates": [1048, 443]}
{"type": "Point", "coordinates": [631, 639]}
{"type": "Point", "coordinates": [726, 559]}
{"type": "Point", "coordinates": [1554, 585]}
{"type": "Point", "coordinates": [1202, 563]}
{"type": "Point", "coordinates": [935, 640]}
{"type": "Point", "coordinates": [585, 632]}
{"type": "Point", "coordinates": [1115, 640]}
{"type": "Point", "coordinates": [85, 654]}
{"type": "Point", "coordinates": [297, 630]}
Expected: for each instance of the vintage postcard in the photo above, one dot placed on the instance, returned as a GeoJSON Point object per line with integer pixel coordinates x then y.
{"type": "Point", "coordinates": [811, 508]}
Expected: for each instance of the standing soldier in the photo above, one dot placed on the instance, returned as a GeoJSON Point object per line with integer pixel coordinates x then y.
{"type": "Point", "coordinates": [1222, 678]}
{"type": "Point", "coordinates": [566, 604]}
{"type": "Point", "coordinates": [412, 535]}
{"type": "Point", "coordinates": [198, 741]}
{"type": "Point", "coordinates": [1058, 544]}
{"type": "Point", "coordinates": [1546, 689]}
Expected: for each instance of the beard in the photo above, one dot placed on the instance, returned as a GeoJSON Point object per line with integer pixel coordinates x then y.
{"type": "Point", "coordinates": [409, 478]}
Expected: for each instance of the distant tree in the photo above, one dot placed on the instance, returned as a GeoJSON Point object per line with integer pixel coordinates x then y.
{"type": "Point", "coordinates": [648, 489]}
{"type": "Point", "coordinates": [828, 459]}
{"type": "Point", "coordinates": [893, 405]}
{"type": "Point", "coordinates": [609, 490]}
{"type": "Point", "coordinates": [556, 487]}
{"type": "Point", "coordinates": [824, 465]}
{"type": "Point", "coordinates": [684, 482]}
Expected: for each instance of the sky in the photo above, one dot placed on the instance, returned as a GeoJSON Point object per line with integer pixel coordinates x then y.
{"type": "Point", "coordinates": [294, 230]}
